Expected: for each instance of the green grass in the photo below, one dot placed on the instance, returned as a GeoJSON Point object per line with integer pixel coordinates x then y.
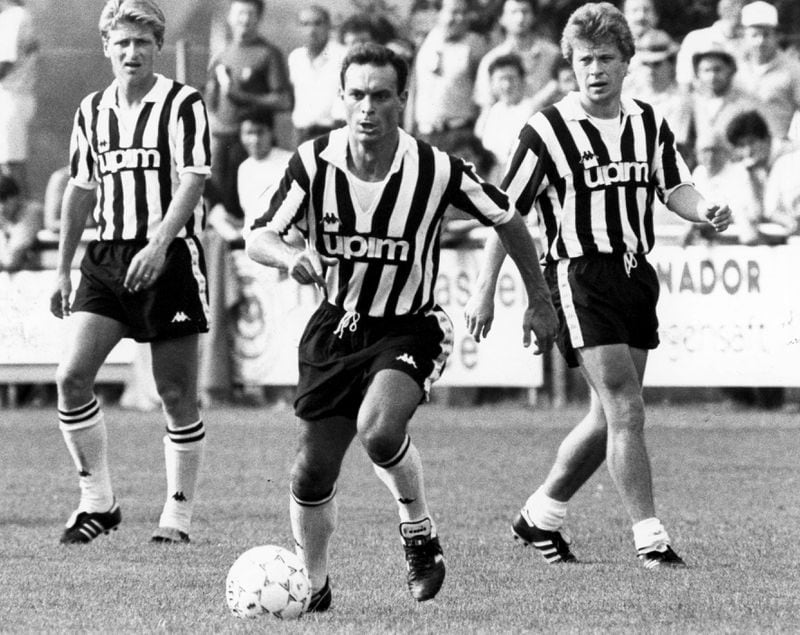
{"type": "Point", "coordinates": [726, 487]}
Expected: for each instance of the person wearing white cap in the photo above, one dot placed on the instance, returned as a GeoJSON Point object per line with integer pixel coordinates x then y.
{"type": "Point", "coordinates": [726, 32]}
{"type": "Point", "coordinates": [770, 74]}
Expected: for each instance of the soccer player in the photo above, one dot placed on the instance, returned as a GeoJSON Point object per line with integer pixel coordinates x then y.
{"type": "Point", "coordinates": [144, 142]}
{"type": "Point", "coordinates": [370, 200]}
{"type": "Point", "coordinates": [590, 165]}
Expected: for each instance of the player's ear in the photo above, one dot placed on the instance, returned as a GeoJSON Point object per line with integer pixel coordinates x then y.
{"type": "Point", "coordinates": [105, 47]}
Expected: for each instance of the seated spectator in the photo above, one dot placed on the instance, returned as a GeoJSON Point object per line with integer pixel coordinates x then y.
{"type": "Point", "coordinates": [20, 220]}
{"type": "Point", "coordinates": [444, 72]}
{"type": "Point", "coordinates": [755, 152]}
{"type": "Point", "coordinates": [771, 75]}
{"type": "Point", "coordinates": [314, 74]}
{"type": "Point", "coordinates": [715, 99]}
{"type": "Point", "coordinates": [655, 84]}
{"type": "Point", "coordinates": [538, 54]}
{"type": "Point", "coordinates": [725, 33]}
{"type": "Point", "coordinates": [498, 126]}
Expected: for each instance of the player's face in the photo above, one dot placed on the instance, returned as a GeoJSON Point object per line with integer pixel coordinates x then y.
{"type": "Point", "coordinates": [256, 139]}
{"type": "Point", "coordinates": [132, 50]}
{"type": "Point", "coordinates": [243, 21]}
{"type": "Point", "coordinates": [599, 70]}
{"type": "Point", "coordinates": [761, 43]}
{"type": "Point", "coordinates": [372, 104]}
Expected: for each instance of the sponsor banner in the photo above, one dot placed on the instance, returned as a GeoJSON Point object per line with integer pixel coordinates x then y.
{"type": "Point", "coordinates": [728, 316]}
{"type": "Point", "coordinates": [275, 310]}
{"type": "Point", "coordinates": [29, 333]}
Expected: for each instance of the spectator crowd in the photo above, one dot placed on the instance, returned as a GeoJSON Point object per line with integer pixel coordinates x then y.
{"type": "Point", "coordinates": [479, 70]}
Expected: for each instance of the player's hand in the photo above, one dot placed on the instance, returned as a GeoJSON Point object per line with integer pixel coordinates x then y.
{"type": "Point", "coordinates": [479, 314]}
{"type": "Point", "coordinates": [717, 215]}
{"type": "Point", "coordinates": [59, 300]}
{"type": "Point", "coordinates": [540, 317]}
{"type": "Point", "coordinates": [145, 268]}
{"type": "Point", "coordinates": [308, 267]}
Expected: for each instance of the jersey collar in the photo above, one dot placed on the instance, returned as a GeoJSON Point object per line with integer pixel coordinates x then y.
{"type": "Point", "coordinates": [158, 92]}
{"type": "Point", "coordinates": [336, 151]}
{"type": "Point", "coordinates": [572, 109]}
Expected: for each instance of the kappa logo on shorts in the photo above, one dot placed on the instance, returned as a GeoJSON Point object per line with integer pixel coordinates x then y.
{"type": "Point", "coordinates": [405, 357]}
{"type": "Point", "coordinates": [180, 316]}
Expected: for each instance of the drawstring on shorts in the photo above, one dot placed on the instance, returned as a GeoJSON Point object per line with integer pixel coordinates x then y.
{"type": "Point", "coordinates": [349, 321]}
{"type": "Point", "coordinates": [630, 262]}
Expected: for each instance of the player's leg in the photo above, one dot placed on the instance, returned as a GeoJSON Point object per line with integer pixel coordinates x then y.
{"type": "Point", "coordinates": [390, 401]}
{"type": "Point", "coordinates": [541, 519]}
{"type": "Point", "coordinates": [312, 504]}
{"type": "Point", "coordinates": [615, 373]}
{"type": "Point", "coordinates": [82, 423]}
{"type": "Point", "coordinates": [175, 374]}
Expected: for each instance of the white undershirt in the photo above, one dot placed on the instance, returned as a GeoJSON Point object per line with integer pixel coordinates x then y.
{"type": "Point", "coordinates": [366, 191]}
{"type": "Point", "coordinates": [610, 130]}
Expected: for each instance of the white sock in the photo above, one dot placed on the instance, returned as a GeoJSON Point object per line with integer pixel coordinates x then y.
{"type": "Point", "coordinates": [313, 524]}
{"type": "Point", "coordinates": [544, 512]}
{"type": "Point", "coordinates": [402, 474]}
{"type": "Point", "coordinates": [649, 535]}
{"type": "Point", "coordinates": [183, 457]}
{"type": "Point", "coordinates": [84, 432]}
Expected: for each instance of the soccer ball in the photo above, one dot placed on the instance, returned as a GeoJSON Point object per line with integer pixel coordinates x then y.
{"type": "Point", "coordinates": [268, 579]}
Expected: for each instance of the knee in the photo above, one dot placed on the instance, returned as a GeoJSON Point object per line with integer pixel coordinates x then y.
{"type": "Point", "coordinates": [312, 480]}
{"type": "Point", "coordinates": [74, 387]}
{"type": "Point", "coordinates": [179, 403]}
{"type": "Point", "coordinates": [381, 437]}
{"type": "Point", "coordinates": [628, 413]}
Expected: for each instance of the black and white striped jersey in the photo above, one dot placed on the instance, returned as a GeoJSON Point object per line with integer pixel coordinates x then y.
{"type": "Point", "coordinates": [137, 159]}
{"type": "Point", "coordinates": [593, 195]}
{"type": "Point", "coordinates": [388, 254]}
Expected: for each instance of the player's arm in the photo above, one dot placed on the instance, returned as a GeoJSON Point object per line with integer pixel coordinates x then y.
{"type": "Point", "coordinates": [513, 238]}
{"type": "Point", "coordinates": [266, 247]}
{"type": "Point", "coordinates": [687, 203]}
{"type": "Point", "coordinates": [75, 208]}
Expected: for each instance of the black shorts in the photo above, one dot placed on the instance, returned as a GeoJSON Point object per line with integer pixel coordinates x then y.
{"type": "Point", "coordinates": [600, 301]}
{"type": "Point", "coordinates": [174, 306]}
{"type": "Point", "coordinates": [335, 371]}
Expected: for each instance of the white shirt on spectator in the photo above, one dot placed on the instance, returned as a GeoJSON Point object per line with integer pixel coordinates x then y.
{"type": "Point", "coordinates": [256, 182]}
{"type": "Point", "coordinates": [316, 85]}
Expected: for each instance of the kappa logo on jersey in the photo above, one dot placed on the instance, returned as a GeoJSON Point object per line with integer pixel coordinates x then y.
{"type": "Point", "coordinates": [406, 358]}
{"type": "Point", "coordinates": [330, 222]}
{"type": "Point", "coordinates": [367, 248]}
{"type": "Point", "coordinates": [589, 159]}
{"type": "Point", "coordinates": [601, 176]}
{"type": "Point", "coordinates": [180, 316]}
{"type": "Point", "coordinates": [114, 161]}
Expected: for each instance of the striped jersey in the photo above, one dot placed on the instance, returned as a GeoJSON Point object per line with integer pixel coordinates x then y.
{"type": "Point", "coordinates": [137, 158]}
{"type": "Point", "coordinates": [388, 254]}
{"type": "Point", "coordinates": [593, 194]}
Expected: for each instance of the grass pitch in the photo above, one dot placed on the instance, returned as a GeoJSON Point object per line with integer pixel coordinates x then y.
{"type": "Point", "coordinates": [726, 487]}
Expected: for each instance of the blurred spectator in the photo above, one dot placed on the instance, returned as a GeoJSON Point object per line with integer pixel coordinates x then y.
{"type": "Point", "coordinates": [642, 19]}
{"type": "Point", "coordinates": [725, 33]}
{"type": "Point", "coordinates": [562, 83]}
{"type": "Point", "coordinates": [782, 191]}
{"type": "Point", "coordinates": [20, 220]}
{"type": "Point", "coordinates": [655, 83]}
{"type": "Point", "coordinates": [716, 99]}
{"type": "Point", "coordinates": [538, 54]}
{"type": "Point", "coordinates": [314, 74]}
{"type": "Point", "coordinates": [263, 168]}
{"type": "Point", "coordinates": [421, 20]}
{"type": "Point", "coordinates": [357, 29]}
{"type": "Point", "coordinates": [498, 126]}
{"type": "Point", "coordinates": [444, 73]}
{"type": "Point", "coordinates": [755, 151]}
{"type": "Point", "coordinates": [18, 55]}
{"type": "Point", "coordinates": [53, 194]}
{"type": "Point", "coordinates": [249, 72]}
{"type": "Point", "coordinates": [770, 74]}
